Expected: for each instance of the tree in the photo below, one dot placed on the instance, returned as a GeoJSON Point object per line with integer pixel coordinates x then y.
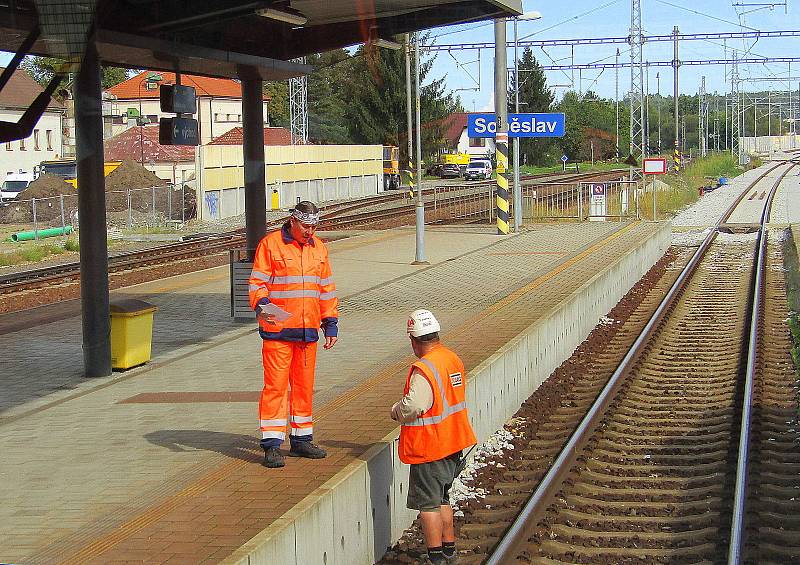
{"type": "Point", "coordinates": [590, 113]}
{"type": "Point", "coordinates": [278, 106]}
{"type": "Point", "coordinates": [42, 70]}
{"type": "Point", "coordinates": [534, 96]}
{"type": "Point", "coordinates": [326, 97]}
{"type": "Point", "coordinates": [375, 100]}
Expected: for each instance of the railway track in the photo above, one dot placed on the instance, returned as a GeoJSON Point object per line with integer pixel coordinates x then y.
{"type": "Point", "coordinates": [657, 469]}
{"type": "Point", "coordinates": [384, 209]}
{"type": "Point", "coordinates": [651, 474]}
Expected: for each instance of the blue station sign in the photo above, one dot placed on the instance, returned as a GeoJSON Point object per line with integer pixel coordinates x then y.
{"type": "Point", "coordinates": [519, 125]}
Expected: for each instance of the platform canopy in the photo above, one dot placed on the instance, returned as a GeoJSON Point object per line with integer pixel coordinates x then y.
{"type": "Point", "coordinates": [229, 38]}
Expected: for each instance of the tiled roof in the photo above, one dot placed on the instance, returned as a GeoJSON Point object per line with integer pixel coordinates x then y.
{"type": "Point", "coordinates": [272, 136]}
{"type": "Point", "coordinates": [21, 90]}
{"type": "Point", "coordinates": [136, 87]}
{"type": "Point", "coordinates": [126, 145]}
{"type": "Point", "coordinates": [454, 125]}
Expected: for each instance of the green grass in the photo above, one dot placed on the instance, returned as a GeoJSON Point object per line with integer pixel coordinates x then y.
{"type": "Point", "coordinates": [30, 254]}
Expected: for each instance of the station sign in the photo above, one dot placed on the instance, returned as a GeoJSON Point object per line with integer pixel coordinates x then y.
{"type": "Point", "coordinates": [178, 131]}
{"type": "Point", "coordinates": [654, 166]}
{"type": "Point", "coordinates": [519, 125]}
{"type": "Point", "coordinates": [178, 99]}
{"type": "Point", "coordinates": [597, 202]}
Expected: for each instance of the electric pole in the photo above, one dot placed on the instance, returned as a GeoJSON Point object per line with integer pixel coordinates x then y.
{"type": "Point", "coordinates": [675, 65]}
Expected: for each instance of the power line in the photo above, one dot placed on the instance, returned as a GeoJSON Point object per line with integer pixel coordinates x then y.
{"type": "Point", "coordinates": [605, 40]}
{"type": "Point", "coordinates": [694, 62]}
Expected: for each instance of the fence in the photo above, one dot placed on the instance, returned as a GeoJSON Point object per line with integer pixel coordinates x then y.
{"type": "Point", "coordinates": [150, 207]}
{"type": "Point", "coordinates": [580, 201]}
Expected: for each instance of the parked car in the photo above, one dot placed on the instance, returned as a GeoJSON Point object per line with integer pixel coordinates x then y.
{"type": "Point", "coordinates": [478, 170]}
{"type": "Point", "coordinates": [434, 170]}
{"type": "Point", "coordinates": [13, 184]}
{"type": "Point", "coordinates": [450, 171]}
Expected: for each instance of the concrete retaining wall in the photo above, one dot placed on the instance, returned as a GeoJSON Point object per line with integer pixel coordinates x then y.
{"type": "Point", "coordinates": [355, 516]}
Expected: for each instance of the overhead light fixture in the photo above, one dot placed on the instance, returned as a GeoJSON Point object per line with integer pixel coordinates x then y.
{"type": "Point", "coordinates": [386, 43]}
{"type": "Point", "coordinates": [285, 15]}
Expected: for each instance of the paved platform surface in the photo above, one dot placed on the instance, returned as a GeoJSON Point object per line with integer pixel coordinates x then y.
{"type": "Point", "coordinates": [161, 464]}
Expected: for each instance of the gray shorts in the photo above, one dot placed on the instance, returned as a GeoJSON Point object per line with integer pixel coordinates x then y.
{"type": "Point", "coordinates": [429, 483]}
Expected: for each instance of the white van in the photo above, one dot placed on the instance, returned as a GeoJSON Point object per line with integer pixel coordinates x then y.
{"type": "Point", "coordinates": [13, 184]}
{"type": "Point", "coordinates": [478, 169]}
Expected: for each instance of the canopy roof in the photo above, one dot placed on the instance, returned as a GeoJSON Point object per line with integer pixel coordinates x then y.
{"type": "Point", "coordinates": [227, 38]}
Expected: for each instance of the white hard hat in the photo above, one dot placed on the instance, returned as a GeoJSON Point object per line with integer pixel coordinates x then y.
{"type": "Point", "coordinates": [422, 322]}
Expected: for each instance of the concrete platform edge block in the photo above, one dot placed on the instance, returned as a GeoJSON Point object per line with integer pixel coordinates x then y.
{"type": "Point", "coordinates": [376, 486]}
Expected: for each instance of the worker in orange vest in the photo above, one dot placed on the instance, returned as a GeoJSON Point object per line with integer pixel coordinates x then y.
{"type": "Point", "coordinates": [293, 294]}
{"type": "Point", "coordinates": [435, 429]}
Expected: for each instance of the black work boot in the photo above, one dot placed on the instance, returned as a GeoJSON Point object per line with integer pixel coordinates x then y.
{"type": "Point", "coordinates": [273, 458]}
{"type": "Point", "coordinates": [307, 449]}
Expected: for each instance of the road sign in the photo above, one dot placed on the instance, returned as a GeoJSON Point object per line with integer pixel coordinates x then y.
{"type": "Point", "coordinates": [564, 158]}
{"type": "Point", "coordinates": [654, 166]}
{"type": "Point", "coordinates": [519, 125]}
{"type": "Point", "coordinates": [598, 189]}
{"type": "Point", "coordinates": [597, 202]}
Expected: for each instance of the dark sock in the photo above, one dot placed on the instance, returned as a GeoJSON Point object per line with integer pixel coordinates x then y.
{"type": "Point", "coordinates": [448, 548]}
{"type": "Point", "coordinates": [435, 554]}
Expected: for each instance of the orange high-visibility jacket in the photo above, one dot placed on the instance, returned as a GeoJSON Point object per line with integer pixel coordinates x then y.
{"type": "Point", "coordinates": [444, 428]}
{"type": "Point", "coordinates": [298, 279]}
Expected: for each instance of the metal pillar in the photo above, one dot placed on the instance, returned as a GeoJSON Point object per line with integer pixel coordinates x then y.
{"type": "Point", "coordinates": [501, 135]}
{"type": "Point", "coordinates": [616, 97]}
{"type": "Point", "coordinates": [409, 119]}
{"type": "Point", "coordinates": [517, 185]}
{"type": "Point", "coordinates": [658, 88]}
{"type": "Point", "coordinates": [96, 323]}
{"type": "Point", "coordinates": [676, 157]}
{"type": "Point", "coordinates": [419, 257]}
{"type": "Point", "coordinates": [255, 200]}
{"type": "Point", "coordinates": [702, 119]}
{"type": "Point", "coordinates": [298, 107]}
{"type": "Point", "coordinates": [636, 39]}
{"type": "Point", "coordinates": [735, 106]}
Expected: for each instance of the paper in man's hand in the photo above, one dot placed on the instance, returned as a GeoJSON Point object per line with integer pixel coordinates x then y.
{"type": "Point", "coordinates": [279, 314]}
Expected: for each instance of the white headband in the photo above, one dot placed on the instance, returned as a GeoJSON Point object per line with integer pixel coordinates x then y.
{"type": "Point", "coordinates": [305, 217]}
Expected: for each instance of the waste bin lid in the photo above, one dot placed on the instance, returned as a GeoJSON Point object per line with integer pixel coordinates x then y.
{"type": "Point", "coordinates": [131, 306]}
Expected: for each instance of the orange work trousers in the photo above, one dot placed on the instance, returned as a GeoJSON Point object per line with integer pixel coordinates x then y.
{"type": "Point", "coordinates": [288, 388]}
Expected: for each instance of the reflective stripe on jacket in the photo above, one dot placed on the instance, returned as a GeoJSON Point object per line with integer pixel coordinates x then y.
{"type": "Point", "coordinates": [444, 429]}
{"type": "Point", "coordinates": [298, 279]}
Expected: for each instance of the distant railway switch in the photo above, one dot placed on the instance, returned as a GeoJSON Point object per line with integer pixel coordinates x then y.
{"type": "Point", "coordinates": [178, 99]}
{"type": "Point", "coordinates": [131, 332]}
{"type": "Point", "coordinates": [178, 131]}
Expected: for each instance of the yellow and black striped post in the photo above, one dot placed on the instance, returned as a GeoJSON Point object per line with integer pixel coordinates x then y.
{"type": "Point", "coordinates": [410, 172]}
{"type": "Point", "coordinates": [501, 151]}
{"type": "Point", "coordinates": [676, 159]}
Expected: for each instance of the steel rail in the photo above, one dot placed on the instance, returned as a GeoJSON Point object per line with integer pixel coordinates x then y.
{"type": "Point", "coordinates": [736, 543]}
{"type": "Point", "coordinates": [520, 530]}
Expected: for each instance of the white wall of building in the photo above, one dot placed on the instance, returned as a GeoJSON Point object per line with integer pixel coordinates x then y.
{"type": "Point", "coordinates": [215, 116]}
{"type": "Point", "coordinates": [43, 144]}
{"type": "Point", "coordinates": [474, 147]}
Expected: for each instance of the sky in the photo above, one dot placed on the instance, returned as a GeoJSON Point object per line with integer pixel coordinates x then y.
{"type": "Point", "coordinates": [610, 18]}
{"type": "Point", "coordinates": [474, 83]}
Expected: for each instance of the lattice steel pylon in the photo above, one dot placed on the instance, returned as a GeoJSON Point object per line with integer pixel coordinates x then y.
{"type": "Point", "coordinates": [298, 107]}
{"type": "Point", "coordinates": [702, 121]}
{"type": "Point", "coordinates": [735, 107]}
{"type": "Point", "coordinates": [636, 41]}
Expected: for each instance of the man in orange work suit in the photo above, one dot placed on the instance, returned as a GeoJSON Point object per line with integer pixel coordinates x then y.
{"type": "Point", "coordinates": [435, 428]}
{"type": "Point", "coordinates": [292, 292]}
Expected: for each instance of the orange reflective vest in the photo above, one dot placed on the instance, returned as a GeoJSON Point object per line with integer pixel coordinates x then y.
{"type": "Point", "coordinates": [296, 278]}
{"type": "Point", "coordinates": [444, 428]}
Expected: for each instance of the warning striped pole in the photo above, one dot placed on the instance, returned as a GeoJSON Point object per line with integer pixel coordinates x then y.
{"type": "Point", "coordinates": [676, 159]}
{"type": "Point", "coordinates": [501, 147]}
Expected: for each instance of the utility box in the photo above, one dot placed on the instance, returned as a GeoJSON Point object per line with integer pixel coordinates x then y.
{"type": "Point", "coordinates": [131, 332]}
{"type": "Point", "coordinates": [241, 266]}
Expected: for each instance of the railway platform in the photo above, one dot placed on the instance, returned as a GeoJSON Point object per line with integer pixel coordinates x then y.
{"type": "Point", "coordinates": [161, 464]}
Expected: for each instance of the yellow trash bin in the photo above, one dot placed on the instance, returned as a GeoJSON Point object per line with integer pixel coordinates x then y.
{"type": "Point", "coordinates": [131, 332]}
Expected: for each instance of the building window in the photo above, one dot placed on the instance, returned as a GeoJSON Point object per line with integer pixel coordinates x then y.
{"type": "Point", "coordinates": [229, 117]}
{"type": "Point", "coordinates": [8, 146]}
{"type": "Point", "coordinates": [477, 142]}
{"type": "Point", "coordinates": [49, 135]}
{"type": "Point", "coordinates": [217, 117]}
{"type": "Point", "coordinates": [153, 118]}
{"type": "Point", "coordinates": [36, 140]}
{"type": "Point", "coordinates": [119, 120]}
{"type": "Point", "coordinates": [22, 145]}
{"type": "Point", "coordinates": [238, 117]}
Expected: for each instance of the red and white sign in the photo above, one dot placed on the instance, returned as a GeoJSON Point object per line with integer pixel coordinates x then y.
{"type": "Point", "coordinates": [654, 166]}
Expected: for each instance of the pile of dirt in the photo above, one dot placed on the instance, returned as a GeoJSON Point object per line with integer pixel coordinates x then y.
{"type": "Point", "coordinates": [44, 189]}
{"type": "Point", "coordinates": [130, 175]}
